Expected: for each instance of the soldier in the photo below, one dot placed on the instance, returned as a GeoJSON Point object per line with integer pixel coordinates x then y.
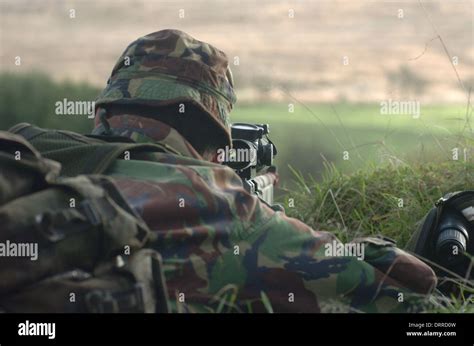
{"type": "Point", "coordinates": [173, 90]}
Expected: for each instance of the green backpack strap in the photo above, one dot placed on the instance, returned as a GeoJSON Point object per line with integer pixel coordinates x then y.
{"type": "Point", "coordinates": [80, 154]}
{"type": "Point", "coordinates": [17, 155]}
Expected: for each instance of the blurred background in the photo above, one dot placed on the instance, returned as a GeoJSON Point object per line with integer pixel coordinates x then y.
{"type": "Point", "coordinates": [316, 71]}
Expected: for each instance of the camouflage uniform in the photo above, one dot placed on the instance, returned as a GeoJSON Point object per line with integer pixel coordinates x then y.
{"type": "Point", "coordinates": [211, 233]}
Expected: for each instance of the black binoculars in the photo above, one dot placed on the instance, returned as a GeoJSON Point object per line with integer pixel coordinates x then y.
{"type": "Point", "coordinates": [446, 235]}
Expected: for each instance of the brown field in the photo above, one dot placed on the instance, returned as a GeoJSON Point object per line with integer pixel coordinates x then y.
{"type": "Point", "coordinates": [303, 54]}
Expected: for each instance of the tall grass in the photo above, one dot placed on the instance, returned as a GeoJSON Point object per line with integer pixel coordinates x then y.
{"type": "Point", "coordinates": [388, 201]}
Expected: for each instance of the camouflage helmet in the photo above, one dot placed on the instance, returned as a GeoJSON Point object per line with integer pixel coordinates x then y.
{"type": "Point", "coordinates": [170, 67]}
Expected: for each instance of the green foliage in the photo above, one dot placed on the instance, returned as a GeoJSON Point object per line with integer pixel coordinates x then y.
{"type": "Point", "coordinates": [387, 200]}
{"type": "Point", "coordinates": [31, 97]}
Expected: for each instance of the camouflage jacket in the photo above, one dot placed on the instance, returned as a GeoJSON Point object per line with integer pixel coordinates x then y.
{"type": "Point", "coordinates": [218, 241]}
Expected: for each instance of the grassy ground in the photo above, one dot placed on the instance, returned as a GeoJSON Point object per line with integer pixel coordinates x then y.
{"type": "Point", "coordinates": [378, 200]}
{"type": "Point", "coordinates": [367, 202]}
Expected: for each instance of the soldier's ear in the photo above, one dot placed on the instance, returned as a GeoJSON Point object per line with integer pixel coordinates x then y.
{"type": "Point", "coordinates": [212, 157]}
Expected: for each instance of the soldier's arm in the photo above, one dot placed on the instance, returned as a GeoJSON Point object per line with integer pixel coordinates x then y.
{"type": "Point", "coordinates": [212, 234]}
{"type": "Point", "coordinates": [292, 264]}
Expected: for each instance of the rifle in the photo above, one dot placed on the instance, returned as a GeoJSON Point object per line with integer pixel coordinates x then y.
{"type": "Point", "coordinates": [251, 157]}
